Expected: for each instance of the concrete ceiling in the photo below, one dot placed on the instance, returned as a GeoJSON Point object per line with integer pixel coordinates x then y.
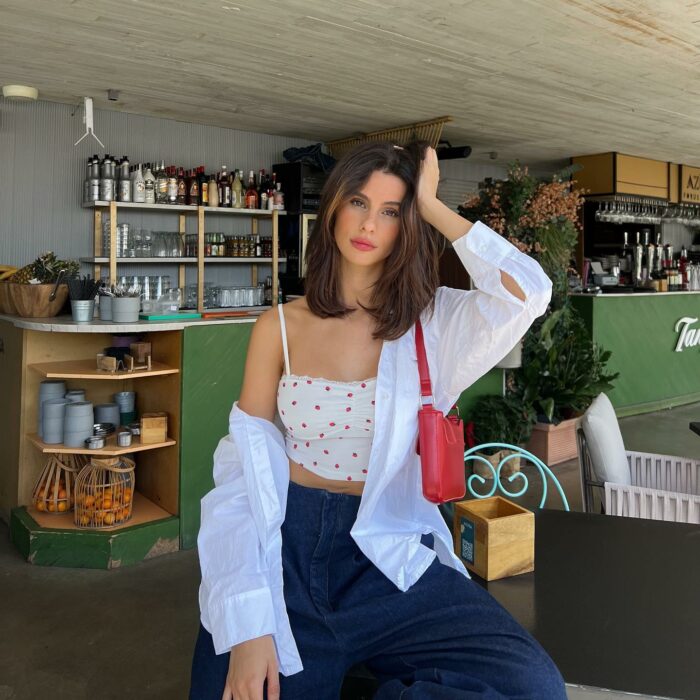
{"type": "Point", "coordinates": [535, 79]}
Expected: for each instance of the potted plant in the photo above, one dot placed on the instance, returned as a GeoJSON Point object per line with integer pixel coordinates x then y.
{"type": "Point", "coordinates": [504, 419]}
{"type": "Point", "coordinates": [563, 371]}
{"type": "Point", "coordinates": [39, 289]}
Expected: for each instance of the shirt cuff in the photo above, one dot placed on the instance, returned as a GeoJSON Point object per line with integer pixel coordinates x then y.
{"type": "Point", "coordinates": [485, 253]}
{"type": "Point", "coordinates": [240, 618]}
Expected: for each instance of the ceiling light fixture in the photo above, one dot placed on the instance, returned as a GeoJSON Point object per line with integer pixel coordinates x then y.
{"type": "Point", "coordinates": [20, 93]}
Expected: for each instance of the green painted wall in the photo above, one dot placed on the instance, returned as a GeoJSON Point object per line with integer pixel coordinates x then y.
{"type": "Point", "coordinates": [213, 359]}
{"type": "Point", "coordinates": [640, 333]}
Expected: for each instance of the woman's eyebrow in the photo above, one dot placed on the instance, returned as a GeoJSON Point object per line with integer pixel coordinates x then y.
{"type": "Point", "coordinates": [362, 196]}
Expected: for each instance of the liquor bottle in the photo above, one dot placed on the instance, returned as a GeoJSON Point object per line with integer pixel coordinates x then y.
{"type": "Point", "coordinates": [90, 194]}
{"type": "Point", "coordinates": [683, 269]}
{"type": "Point", "coordinates": [193, 188]}
{"type": "Point", "coordinates": [213, 190]}
{"type": "Point", "coordinates": [149, 186]}
{"type": "Point", "coordinates": [659, 256]}
{"type": "Point", "coordinates": [224, 188]}
{"type": "Point", "coordinates": [279, 197]}
{"type": "Point", "coordinates": [268, 291]}
{"type": "Point", "coordinates": [139, 186]}
{"type": "Point", "coordinates": [258, 246]}
{"type": "Point", "coordinates": [251, 194]}
{"type": "Point", "coordinates": [107, 179]}
{"type": "Point", "coordinates": [237, 191]}
{"type": "Point", "coordinates": [203, 188]}
{"type": "Point", "coordinates": [172, 185]}
{"type": "Point", "coordinates": [125, 184]}
{"type": "Point", "coordinates": [181, 195]}
{"type": "Point", "coordinates": [161, 178]}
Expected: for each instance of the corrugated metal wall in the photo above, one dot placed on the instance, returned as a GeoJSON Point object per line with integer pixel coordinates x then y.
{"type": "Point", "coordinates": [41, 175]}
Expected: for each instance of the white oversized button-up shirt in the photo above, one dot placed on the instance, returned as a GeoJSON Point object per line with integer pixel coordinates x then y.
{"type": "Point", "coordinates": [240, 543]}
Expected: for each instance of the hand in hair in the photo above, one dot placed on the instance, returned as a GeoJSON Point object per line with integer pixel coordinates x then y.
{"type": "Point", "coordinates": [428, 179]}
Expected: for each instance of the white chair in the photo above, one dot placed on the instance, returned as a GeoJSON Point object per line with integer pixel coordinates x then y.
{"type": "Point", "coordinates": [633, 484]}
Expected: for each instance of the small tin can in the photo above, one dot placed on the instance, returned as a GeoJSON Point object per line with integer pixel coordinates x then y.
{"type": "Point", "coordinates": [124, 438]}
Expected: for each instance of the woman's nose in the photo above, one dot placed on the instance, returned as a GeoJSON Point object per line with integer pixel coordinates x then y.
{"type": "Point", "coordinates": [368, 223]}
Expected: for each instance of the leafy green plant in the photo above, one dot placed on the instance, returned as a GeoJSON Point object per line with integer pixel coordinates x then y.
{"type": "Point", "coordinates": [563, 370]}
{"type": "Point", "coordinates": [502, 419]}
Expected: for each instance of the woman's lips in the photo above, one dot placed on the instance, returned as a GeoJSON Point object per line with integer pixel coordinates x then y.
{"type": "Point", "coordinates": [362, 245]}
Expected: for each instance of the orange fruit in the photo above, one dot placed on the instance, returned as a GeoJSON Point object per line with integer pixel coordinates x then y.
{"type": "Point", "coordinates": [62, 506]}
{"type": "Point", "coordinates": [109, 519]}
{"type": "Point", "coordinates": [89, 501]}
{"type": "Point", "coordinates": [61, 493]}
{"type": "Point", "coordinates": [127, 495]}
{"type": "Point", "coordinates": [40, 505]}
{"type": "Point", "coordinates": [51, 507]}
{"type": "Point", "coordinates": [84, 520]}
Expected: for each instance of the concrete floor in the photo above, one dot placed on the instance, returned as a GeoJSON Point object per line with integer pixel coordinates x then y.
{"type": "Point", "coordinates": [79, 634]}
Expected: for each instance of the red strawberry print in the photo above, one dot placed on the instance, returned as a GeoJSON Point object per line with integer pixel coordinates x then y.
{"type": "Point", "coordinates": [308, 381]}
{"type": "Point", "coordinates": [318, 408]}
{"type": "Point", "coordinates": [364, 471]}
{"type": "Point", "coordinates": [325, 452]}
{"type": "Point", "coordinates": [350, 395]}
{"type": "Point", "coordinates": [347, 427]}
{"type": "Point", "coordinates": [294, 403]}
{"type": "Point", "coordinates": [349, 478]}
{"type": "Point", "coordinates": [303, 425]}
{"type": "Point", "coordinates": [372, 403]}
{"type": "Point", "coordinates": [331, 424]}
{"type": "Point", "coordinates": [321, 435]}
{"type": "Point", "coordinates": [348, 409]}
{"type": "Point", "coordinates": [337, 466]}
{"type": "Point", "coordinates": [295, 447]}
{"type": "Point", "coordinates": [354, 454]}
{"type": "Point", "coordinates": [293, 385]}
{"type": "Point", "coordinates": [363, 385]}
{"type": "Point", "coordinates": [308, 443]}
{"type": "Point", "coordinates": [328, 388]}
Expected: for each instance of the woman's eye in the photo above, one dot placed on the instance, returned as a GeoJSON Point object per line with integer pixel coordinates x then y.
{"type": "Point", "coordinates": [357, 202]}
{"type": "Point", "coordinates": [391, 212]}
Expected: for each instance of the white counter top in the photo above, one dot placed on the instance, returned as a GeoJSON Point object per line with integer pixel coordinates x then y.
{"type": "Point", "coordinates": [66, 324]}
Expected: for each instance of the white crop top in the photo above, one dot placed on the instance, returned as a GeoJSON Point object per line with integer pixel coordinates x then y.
{"type": "Point", "coordinates": [329, 425]}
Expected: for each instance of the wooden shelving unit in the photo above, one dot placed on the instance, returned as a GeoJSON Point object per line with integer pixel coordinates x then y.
{"type": "Point", "coordinates": [111, 449]}
{"type": "Point", "coordinates": [142, 511]}
{"type": "Point", "coordinates": [180, 261]}
{"type": "Point", "coordinates": [85, 369]}
{"type": "Point", "coordinates": [182, 210]}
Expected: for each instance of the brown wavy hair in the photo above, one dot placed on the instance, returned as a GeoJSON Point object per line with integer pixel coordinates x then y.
{"type": "Point", "coordinates": [410, 276]}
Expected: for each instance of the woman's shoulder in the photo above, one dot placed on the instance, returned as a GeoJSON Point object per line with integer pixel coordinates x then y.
{"type": "Point", "coordinates": [295, 311]}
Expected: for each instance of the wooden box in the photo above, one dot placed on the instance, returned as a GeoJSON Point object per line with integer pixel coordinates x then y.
{"type": "Point", "coordinates": [154, 427]}
{"type": "Point", "coordinates": [494, 537]}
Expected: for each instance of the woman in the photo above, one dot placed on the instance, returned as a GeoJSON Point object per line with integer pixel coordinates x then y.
{"type": "Point", "coordinates": [317, 548]}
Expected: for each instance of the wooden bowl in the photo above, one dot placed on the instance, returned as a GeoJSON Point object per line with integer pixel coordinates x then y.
{"type": "Point", "coordinates": [32, 300]}
{"type": "Point", "coordinates": [7, 305]}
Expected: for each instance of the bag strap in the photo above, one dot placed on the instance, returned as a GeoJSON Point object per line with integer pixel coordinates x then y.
{"type": "Point", "coordinates": [426, 389]}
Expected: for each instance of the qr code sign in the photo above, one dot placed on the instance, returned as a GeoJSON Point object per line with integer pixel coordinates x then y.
{"type": "Point", "coordinates": [467, 540]}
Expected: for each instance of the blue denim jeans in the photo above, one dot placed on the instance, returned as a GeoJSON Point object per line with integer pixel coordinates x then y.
{"type": "Point", "coordinates": [444, 638]}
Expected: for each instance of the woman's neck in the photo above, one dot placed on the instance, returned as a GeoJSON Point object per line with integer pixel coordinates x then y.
{"type": "Point", "coordinates": [357, 283]}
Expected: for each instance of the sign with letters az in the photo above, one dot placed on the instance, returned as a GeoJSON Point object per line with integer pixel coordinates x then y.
{"type": "Point", "coordinates": [690, 184]}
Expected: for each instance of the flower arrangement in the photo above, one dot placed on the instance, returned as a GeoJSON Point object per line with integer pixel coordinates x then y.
{"type": "Point", "coordinates": [541, 218]}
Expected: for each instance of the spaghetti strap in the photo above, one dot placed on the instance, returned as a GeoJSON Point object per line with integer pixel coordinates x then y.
{"type": "Point", "coordinates": [283, 326]}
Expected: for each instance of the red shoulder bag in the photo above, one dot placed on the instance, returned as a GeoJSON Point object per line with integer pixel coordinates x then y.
{"type": "Point", "coordinates": [440, 440]}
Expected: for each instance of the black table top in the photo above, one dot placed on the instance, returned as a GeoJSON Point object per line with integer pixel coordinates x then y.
{"type": "Point", "coordinates": [615, 601]}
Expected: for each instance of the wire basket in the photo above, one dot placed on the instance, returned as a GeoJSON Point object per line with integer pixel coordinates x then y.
{"type": "Point", "coordinates": [54, 491]}
{"type": "Point", "coordinates": [429, 131]}
{"type": "Point", "coordinates": [104, 493]}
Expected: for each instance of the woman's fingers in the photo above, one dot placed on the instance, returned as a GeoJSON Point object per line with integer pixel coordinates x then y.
{"type": "Point", "coordinates": [273, 682]}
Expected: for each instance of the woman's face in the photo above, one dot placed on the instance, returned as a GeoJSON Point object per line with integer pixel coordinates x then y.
{"type": "Point", "coordinates": [367, 223]}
